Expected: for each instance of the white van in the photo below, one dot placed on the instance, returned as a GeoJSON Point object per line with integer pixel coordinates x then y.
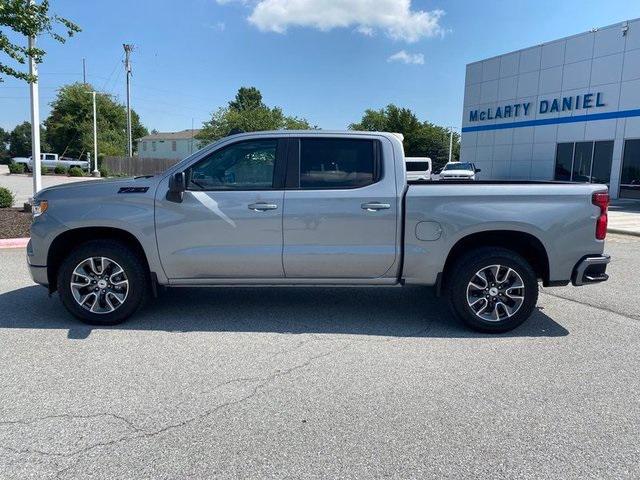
{"type": "Point", "coordinates": [418, 168]}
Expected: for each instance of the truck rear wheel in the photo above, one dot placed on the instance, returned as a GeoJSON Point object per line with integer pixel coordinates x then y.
{"type": "Point", "coordinates": [102, 282]}
{"type": "Point", "coordinates": [492, 289]}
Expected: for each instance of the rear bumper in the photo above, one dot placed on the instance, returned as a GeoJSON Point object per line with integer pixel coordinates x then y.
{"type": "Point", "coordinates": [591, 269]}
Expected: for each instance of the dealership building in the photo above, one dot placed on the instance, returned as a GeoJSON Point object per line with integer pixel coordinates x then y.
{"type": "Point", "coordinates": [564, 110]}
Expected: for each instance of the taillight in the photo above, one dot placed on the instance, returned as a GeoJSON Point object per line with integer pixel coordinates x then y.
{"type": "Point", "coordinates": [601, 200]}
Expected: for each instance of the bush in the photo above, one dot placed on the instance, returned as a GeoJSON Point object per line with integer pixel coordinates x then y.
{"type": "Point", "coordinates": [16, 167]}
{"type": "Point", "coordinates": [60, 170]}
{"type": "Point", "coordinates": [104, 172]}
{"type": "Point", "coordinates": [43, 170]}
{"type": "Point", "coordinates": [76, 172]}
{"type": "Point", "coordinates": [6, 197]}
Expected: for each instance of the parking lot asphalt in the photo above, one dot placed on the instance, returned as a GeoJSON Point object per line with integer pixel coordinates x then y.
{"type": "Point", "coordinates": [321, 383]}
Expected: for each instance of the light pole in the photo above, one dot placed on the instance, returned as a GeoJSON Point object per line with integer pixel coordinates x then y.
{"type": "Point", "coordinates": [96, 172]}
{"type": "Point", "coordinates": [450, 143]}
{"type": "Point", "coordinates": [35, 120]}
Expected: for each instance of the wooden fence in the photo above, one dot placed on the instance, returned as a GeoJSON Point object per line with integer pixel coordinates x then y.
{"type": "Point", "coordinates": [137, 166]}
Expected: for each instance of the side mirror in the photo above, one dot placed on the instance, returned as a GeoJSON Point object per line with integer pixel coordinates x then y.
{"type": "Point", "coordinates": [478, 170]}
{"type": "Point", "coordinates": [177, 187]}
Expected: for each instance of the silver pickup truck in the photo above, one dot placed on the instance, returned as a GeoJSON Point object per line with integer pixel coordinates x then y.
{"type": "Point", "coordinates": [315, 208]}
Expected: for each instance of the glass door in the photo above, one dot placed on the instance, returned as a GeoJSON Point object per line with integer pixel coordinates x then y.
{"type": "Point", "coordinates": [630, 179]}
{"type": "Point", "coordinates": [582, 155]}
{"type": "Point", "coordinates": [602, 157]}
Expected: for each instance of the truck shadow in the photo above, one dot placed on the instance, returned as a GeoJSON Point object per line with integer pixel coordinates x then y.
{"type": "Point", "coordinates": [392, 312]}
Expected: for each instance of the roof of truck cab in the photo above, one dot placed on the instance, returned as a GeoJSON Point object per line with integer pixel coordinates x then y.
{"type": "Point", "coordinates": [398, 136]}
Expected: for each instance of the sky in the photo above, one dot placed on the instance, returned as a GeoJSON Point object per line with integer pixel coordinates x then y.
{"type": "Point", "coordinates": [324, 60]}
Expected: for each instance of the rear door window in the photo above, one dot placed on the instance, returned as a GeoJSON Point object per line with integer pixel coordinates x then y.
{"type": "Point", "coordinates": [337, 163]}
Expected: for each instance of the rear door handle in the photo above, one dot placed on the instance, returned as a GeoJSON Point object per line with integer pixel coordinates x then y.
{"type": "Point", "coordinates": [373, 206]}
{"type": "Point", "coordinates": [262, 207]}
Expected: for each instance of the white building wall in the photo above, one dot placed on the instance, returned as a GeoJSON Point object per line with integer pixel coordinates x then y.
{"type": "Point", "coordinates": [604, 61]}
{"type": "Point", "coordinates": [164, 149]}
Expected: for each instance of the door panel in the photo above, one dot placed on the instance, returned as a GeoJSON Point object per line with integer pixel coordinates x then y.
{"type": "Point", "coordinates": [229, 222]}
{"type": "Point", "coordinates": [216, 234]}
{"type": "Point", "coordinates": [338, 232]}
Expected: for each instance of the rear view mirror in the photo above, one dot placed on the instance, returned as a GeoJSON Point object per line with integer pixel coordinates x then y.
{"type": "Point", "coordinates": [177, 187]}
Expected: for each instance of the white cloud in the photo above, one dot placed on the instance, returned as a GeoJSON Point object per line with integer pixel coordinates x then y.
{"type": "Point", "coordinates": [408, 58]}
{"type": "Point", "coordinates": [393, 17]}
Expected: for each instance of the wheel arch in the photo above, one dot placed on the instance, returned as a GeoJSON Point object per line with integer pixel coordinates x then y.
{"type": "Point", "coordinates": [69, 239]}
{"type": "Point", "coordinates": [524, 244]}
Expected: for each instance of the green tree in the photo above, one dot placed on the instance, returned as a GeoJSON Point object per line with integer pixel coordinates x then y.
{"type": "Point", "coordinates": [70, 123]}
{"type": "Point", "coordinates": [30, 20]}
{"type": "Point", "coordinates": [247, 112]}
{"type": "Point", "coordinates": [4, 145]}
{"type": "Point", "coordinates": [421, 139]}
{"type": "Point", "coordinates": [20, 141]}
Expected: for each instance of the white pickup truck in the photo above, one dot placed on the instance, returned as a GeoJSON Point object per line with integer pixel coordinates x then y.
{"type": "Point", "coordinates": [52, 160]}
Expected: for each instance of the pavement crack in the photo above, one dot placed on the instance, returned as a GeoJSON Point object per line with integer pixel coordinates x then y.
{"type": "Point", "coordinates": [70, 416]}
{"type": "Point", "coordinates": [141, 434]}
{"type": "Point", "coordinates": [587, 304]}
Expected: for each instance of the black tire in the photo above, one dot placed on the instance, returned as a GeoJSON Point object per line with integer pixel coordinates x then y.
{"type": "Point", "coordinates": [464, 270]}
{"type": "Point", "coordinates": [134, 270]}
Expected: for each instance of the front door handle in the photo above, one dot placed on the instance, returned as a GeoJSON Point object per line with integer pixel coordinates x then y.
{"type": "Point", "coordinates": [262, 207]}
{"type": "Point", "coordinates": [374, 206]}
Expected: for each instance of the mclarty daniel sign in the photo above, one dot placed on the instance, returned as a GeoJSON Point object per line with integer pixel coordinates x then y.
{"type": "Point", "coordinates": [551, 105]}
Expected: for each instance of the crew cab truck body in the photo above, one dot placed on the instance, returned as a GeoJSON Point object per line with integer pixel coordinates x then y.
{"type": "Point", "coordinates": [315, 208]}
{"type": "Point", "coordinates": [52, 160]}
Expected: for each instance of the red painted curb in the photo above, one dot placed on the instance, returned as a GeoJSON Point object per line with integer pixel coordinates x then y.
{"type": "Point", "coordinates": [13, 242]}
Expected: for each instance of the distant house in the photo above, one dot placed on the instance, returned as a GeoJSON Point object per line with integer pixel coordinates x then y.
{"type": "Point", "coordinates": [173, 145]}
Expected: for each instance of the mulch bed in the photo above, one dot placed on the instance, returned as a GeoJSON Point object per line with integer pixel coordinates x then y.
{"type": "Point", "coordinates": [14, 223]}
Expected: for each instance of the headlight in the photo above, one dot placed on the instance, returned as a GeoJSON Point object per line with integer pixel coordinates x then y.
{"type": "Point", "coordinates": [39, 208]}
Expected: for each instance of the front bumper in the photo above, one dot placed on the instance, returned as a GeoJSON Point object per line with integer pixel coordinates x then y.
{"type": "Point", "coordinates": [591, 269]}
{"type": "Point", "coordinates": [38, 272]}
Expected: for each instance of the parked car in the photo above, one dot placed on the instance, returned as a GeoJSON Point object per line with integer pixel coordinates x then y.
{"type": "Point", "coordinates": [315, 208]}
{"type": "Point", "coordinates": [418, 168]}
{"type": "Point", "coordinates": [52, 160]}
{"type": "Point", "coordinates": [460, 171]}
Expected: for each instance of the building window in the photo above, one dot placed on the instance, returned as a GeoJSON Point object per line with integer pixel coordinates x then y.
{"type": "Point", "coordinates": [630, 179]}
{"type": "Point", "coordinates": [587, 162]}
{"type": "Point", "coordinates": [144, 146]}
{"type": "Point", "coordinates": [173, 145]}
{"type": "Point", "coordinates": [153, 146]}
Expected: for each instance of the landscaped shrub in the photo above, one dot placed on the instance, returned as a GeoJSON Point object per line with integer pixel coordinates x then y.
{"type": "Point", "coordinates": [16, 168]}
{"type": "Point", "coordinates": [76, 172]}
{"type": "Point", "coordinates": [6, 197]}
{"type": "Point", "coordinates": [60, 170]}
{"type": "Point", "coordinates": [43, 170]}
{"type": "Point", "coordinates": [104, 172]}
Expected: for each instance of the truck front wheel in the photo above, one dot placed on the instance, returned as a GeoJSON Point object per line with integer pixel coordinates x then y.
{"type": "Point", "coordinates": [102, 282]}
{"type": "Point", "coordinates": [492, 289]}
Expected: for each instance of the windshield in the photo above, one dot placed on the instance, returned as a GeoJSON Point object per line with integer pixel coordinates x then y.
{"type": "Point", "coordinates": [458, 166]}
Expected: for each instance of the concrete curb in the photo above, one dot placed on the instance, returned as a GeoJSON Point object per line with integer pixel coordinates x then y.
{"type": "Point", "coordinates": [13, 242]}
{"type": "Point", "coordinates": [623, 232]}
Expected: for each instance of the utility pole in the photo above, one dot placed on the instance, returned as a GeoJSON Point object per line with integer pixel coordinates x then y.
{"type": "Point", "coordinates": [191, 142]}
{"type": "Point", "coordinates": [84, 71]}
{"type": "Point", "coordinates": [127, 65]}
{"type": "Point", "coordinates": [35, 120]}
